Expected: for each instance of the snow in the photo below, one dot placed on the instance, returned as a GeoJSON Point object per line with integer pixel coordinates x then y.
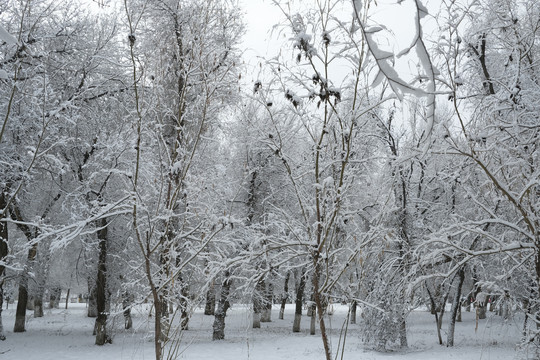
{"type": "Point", "coordinates": [7, 37]}
{"type": "Point", "coordinates": [67, 334]}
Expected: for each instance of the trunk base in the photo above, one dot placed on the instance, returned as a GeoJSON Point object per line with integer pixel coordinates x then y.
{"type": "Point", "coordinates": [256, 320]}
{"type": "Point", "coordinates": [296, 323]}
{"type": "Point", "coordinates": [19, 324]}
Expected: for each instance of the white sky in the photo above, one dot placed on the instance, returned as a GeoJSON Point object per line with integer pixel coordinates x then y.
{"type": "Point", "coordinates": [263, 15]}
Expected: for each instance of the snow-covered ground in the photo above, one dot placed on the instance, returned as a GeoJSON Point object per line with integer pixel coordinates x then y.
{"type": "Point", "coordinates": [67, 334]}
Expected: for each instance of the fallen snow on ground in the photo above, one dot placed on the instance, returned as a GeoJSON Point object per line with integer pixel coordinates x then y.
{"type": "Point", "coordinates": [67, 334]}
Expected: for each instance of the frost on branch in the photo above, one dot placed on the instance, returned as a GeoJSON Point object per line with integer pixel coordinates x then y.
{"type": "Point", "coordinates": [302, 40]}
{"type": "Point", "coordinates": [385, 63]}
{"type": "Point", "coordinates": [293, 98]}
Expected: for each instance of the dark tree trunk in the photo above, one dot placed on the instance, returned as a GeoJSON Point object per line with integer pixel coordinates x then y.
{"type": "Point", "coordinates": [126, 306]}
{"type": "Point", "coordinates": [184, 306]}
{"type": "Point", "coordinates": [439, 317]}
{"type": "Point", "coordinates": [354, 305]}
{"type": "Point", "coordinates": [319, 300]}
{"type": "Point", "coordinates": [67, 297]}
{"type": "Point", "coordinates": [101, 286]}
{"type": "Point", "coordinates": [284, 295]}
{"type": "Point", "coordinates": [2, 335]}
{"type": "Point", "coordinates": [458, 316]}
{"type": "Point", "coordinates": [456, 305]}
{"type": "Point", "coordinates": [210, 306]}
{"type": "Point", "coordinates": [3, 254]}
{"type": "Point", "coordinates": [301, 285]}
{"type": "Point", "coordinates": [24, 301]}
{"type": "Point", "coordinates": [403, 331]}
{"type": "Point", "coordinates": [222, 307]}
{"type": "Point", "coordinates": [20, 315]}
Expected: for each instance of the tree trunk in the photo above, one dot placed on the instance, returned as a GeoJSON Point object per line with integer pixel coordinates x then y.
{"type": "Point", "coordinates": [481, 305]}
{"type": "Point", "coordinates": [354, 305]}
{"type": "Point", "coordinates": [210, 306]}
{"type": "Point", "coordinates": [258, 303]}
{"type": "Point", "coordinates": [158, 336]}
{"type": "Point", "coordinates": [313, 319]}
{"type": "Point", "coordinates": [285, 295]}
{"type": "Point", "coordinates": [184, 306]}
{"type": "Point", "coordinates": [222, 307]}
{"type": "Point", "coordinates": [438, 320]}
{"type": "Point", "coordinates": [456, 305]}
{"type": "Point", "coordinates": [126, 306]}
{"type": "Point", "coordinates": [3, 254]}
{"type": "Point", "coordinates": [20, 315]}
{"type": "Point", "coordinates": [67, 297]}
{"type": "Point", "coordinates": [30, 302]}
{"type": "Point", "coordinates": [403, 331]}
{"type": "Point", "coordinates": [38, 305]}
{"type": "Point", "coordinates": [24, 301]}
{"type": "Point", "coordinates": [2, 335]}
{"type": "Point", "coordinates": [505, 307]}
{"type": "Point", "coordinates": [310, 308]}
{"type": "Point", "coordinates": [40, 289]}
{"type": "Point", "coordinates": [92, 299]}
{"type": "Point", "coordinates": [268, 299]}
{"type": "Point", "coordinates": [299, 301]}
{"type": "Point", "coordinates": [319, 306]}
{"type": "Point", "coordinates": [54, 298]}
{"type": "Point", "coordinates": [101, 286]}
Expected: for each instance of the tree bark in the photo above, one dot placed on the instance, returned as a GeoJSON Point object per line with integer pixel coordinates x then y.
{"type": "Point", "coordinates": [3, 254]}
{"type": "Point", "coordinates": [313, 319]}
{"type": "Point", "coordinates": [101, 285]}
{"type": "Point", "coordinates": [299, 301]}
{"type": "Point", "coordinates": [319, 306]}
{"type": "Point", "coordinates": [92, 302]}
{"type": "Point", "coordinates": [30, 301]}
{"type": "Point", "coordinates": [354, 305]}
{"type": "Point", "coordinates": [25, 302]}
{"type": "Point", "coordinates": [20, 315]}
{"type": "Point", "coordinates": [258, 303]}
{"type": "Point", "coordinates": [126, 306]}
{"type": "Point", "coordinates": [456, 304]}
{"type": "Point", "coordinates": [268, 299]}
{"type": "Point", "coordinates": [222, 307]}
{"type": "Point", "coordinates": [403, 330]}
{"type": "Point", "coordinates": [2, 335]}
{"type": "Point", "coordinates": [38, 302]}
{"type": "Point", "coordinates": [67, 297]}
{"type": "Point", "coordinates": [284, 295]}
{"type": "Point", "coordinates": [210, 306]}
{"type": "Point", "coordinates": [184, 306]}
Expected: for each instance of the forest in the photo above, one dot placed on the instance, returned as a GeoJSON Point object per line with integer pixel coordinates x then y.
{"type": "Point", "coordinates": [152, 172]}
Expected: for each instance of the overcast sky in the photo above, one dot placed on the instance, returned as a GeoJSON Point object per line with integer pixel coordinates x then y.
{"type": "Point", "coordinates": [263, 15]}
